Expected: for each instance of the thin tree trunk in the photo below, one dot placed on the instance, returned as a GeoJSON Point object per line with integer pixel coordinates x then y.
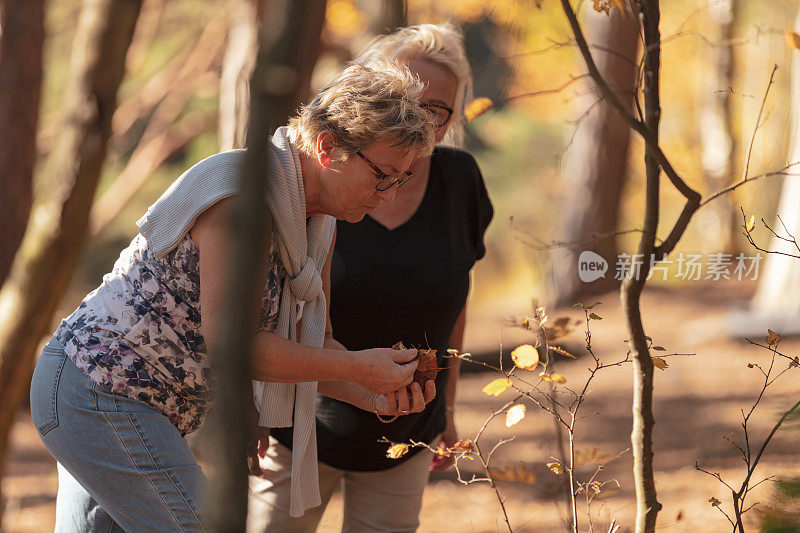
{"type": "Point", "coordinates": [52, 242]}
{"type": "Point", "coordinates": [719, 223]}
{"type": "Point", "coordinates": [287, 33]}
{"type": "Point", "coordinates": [595, 164]}
{"type": "Point", "coordinates": [234, 94]}
{"type": "Point", "coordinates": [21, 41]}
{"type": "Point", "coordinates": [777, 298]}
{"type": "Point", "coordinates": [647, 506]}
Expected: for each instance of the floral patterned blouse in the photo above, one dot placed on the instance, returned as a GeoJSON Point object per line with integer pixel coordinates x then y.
{"type": "Point", "coordinates": [138, 333]}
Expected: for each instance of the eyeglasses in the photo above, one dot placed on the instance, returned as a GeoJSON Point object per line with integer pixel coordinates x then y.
{"type": "Point", "coordinates": [440, 112]}
{"type": "Point", "coordinates": [386, 182]}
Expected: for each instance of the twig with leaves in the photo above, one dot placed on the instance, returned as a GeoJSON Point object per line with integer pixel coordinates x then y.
{"type": "Point", "coordinates": [751, 459]}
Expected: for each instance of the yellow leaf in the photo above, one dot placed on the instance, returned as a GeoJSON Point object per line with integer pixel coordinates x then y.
{"type": "Point", "coordinates": [515, 414]}
{"type": "Point", "coordinates": [552, 378]}
{"type": "Point", "coordinates": [556, 467]}
{"type": "Point", "coordinates": [525, 356]}
{"type": "Point", "coordinates": [477, 107]}
{"type": "Point", "coordinates": [561, 351]}
{"type": "Point", "coordinates": [773, 338]}
{"type": "Point", "coordinates": [396, 451]}
{"type": "Point", "coordinates": [497, 387]}
{"type": "Point", "coordinates": [751, 224]}
{"type": "Point", "coordinates": [660, 363]}
{"type": "Point", "coordinates": [793, 40]}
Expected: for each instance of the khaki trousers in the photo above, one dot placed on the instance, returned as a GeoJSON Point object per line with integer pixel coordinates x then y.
{"type": "Point", "coordinates": [386, 501]}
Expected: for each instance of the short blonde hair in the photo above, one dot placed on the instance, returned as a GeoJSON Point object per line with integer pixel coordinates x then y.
{"type": "Point", "coordinates": [439, 43]}
{"type": "Point", "coordinates": [365, 103]}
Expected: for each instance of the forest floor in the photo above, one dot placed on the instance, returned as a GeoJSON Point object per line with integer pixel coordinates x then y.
{"type": "Point", "coordinates": [697, 401]}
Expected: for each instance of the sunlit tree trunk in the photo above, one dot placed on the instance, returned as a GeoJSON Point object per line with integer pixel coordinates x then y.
{"type": "Point", "coordinates": [777, 299]}
{"type": "Point", "coordinates": [45, 261]}
{"type": "Point", "coordinates": [594, 165]}
{"type": "Point", "coordinates": [234, 94]}
{"type": "Point", "coordinates": [288, 36]}
{"type": "Point", "coordinates": [21, 40]}
{"type": "Point", "coordinates": [719, 222]}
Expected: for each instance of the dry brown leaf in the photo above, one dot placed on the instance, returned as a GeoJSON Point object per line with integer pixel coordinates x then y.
{"type": "Point", "coordinates": [427, 368]}
{"type": "Point", "coordinates": [465, 445]}
{"type": "Point", "coordinates": [714, 502]}
{"type": "Point", "coordinates": [773, 338]}
{"type": "Point", "coordinates": [518, 473]}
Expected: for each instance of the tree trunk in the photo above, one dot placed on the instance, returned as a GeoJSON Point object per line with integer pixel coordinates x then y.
{"type": "Point", "coordinates": [21, 40]}
{"type": "Point", "coordinates": [288, 37]}
{"type": "Point", "coordinates": [719, 222]}
{"type": "Point", "coordinates": [52, 242]}
{"type": "Point", "coordinates": [777, 299]}
{"type": "Point", "coordinates": [234, 93]}
{"type": "Point", "coordinates": [594, 166]}
{"type": "Point", "coordinates": [647, 505]}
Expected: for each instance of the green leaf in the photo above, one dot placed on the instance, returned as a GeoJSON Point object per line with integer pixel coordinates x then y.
{"type": "Point", "coordinates": [595, 317]}
{"type": "Point", "coordinates": [648, 338]}
{"type": "Point", "coordinates": [660, 348]}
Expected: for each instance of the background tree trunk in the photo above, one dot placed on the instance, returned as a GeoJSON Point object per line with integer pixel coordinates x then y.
{"type": "Point", "coordinates": [234, 93]}
{"type": "Point", "coordinates": [289, 36]}
{"type": "Point", "coordinates": [21, 41]}
{"type": "Point", "coordinates": [52, 242]}
{"type": "Point", "coordinates": [719, 222]}
{"type": "Point", "coordinates": [594, 165]}
{"type": "Point", "coordinates": [776, 303]}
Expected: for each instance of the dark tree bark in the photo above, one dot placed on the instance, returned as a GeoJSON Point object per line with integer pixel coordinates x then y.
{"type": "Point", "coordinates": [288, 37]}
{"type": "Point", "coordinates": [52, 242]}
{"type": "Point", "coordinates": [594, 165]}
{"type": "Point", "coordinates": [21, 41]}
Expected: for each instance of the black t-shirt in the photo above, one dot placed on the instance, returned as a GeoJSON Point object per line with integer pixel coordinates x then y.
{"type": "Point", "coordinates": [408, 284]}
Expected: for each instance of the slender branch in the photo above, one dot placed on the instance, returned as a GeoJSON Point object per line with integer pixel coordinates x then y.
{"type": "Point", "coordinates": [758, 123]}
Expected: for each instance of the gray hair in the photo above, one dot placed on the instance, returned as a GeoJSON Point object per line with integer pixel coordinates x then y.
{"type": "Point", "coordinates": [439, 43]}
{"type": "Point", "coordinates": [364, 104]}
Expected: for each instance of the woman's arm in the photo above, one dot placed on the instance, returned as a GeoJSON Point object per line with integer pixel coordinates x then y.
{"type": "Point", "coordinates": [273, 357]}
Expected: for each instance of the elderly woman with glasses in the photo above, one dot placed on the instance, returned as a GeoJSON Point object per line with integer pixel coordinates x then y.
{"type": "Point", "coordinates": [127, 375]}
{"type": "Point", "coordinates": [402, 273]}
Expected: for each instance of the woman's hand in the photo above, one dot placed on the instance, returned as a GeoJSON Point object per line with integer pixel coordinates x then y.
{"type": "Point", "coordinates": [383, 370]}
{"type": "Point", "coordinates": [448, 440]}
{"type": "Point", "coordinates": [405, 400]}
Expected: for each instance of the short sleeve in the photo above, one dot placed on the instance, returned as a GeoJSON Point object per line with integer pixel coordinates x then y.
{"type": "Point", "coordinates": [483, 211]}
{"type": "Point", "coordinates": [471, 208]}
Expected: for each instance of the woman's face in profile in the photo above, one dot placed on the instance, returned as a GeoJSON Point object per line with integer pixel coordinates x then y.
{"type": "Point", "coordinates": [440, 90]}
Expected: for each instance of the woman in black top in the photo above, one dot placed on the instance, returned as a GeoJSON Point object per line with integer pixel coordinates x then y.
{"type": "Point", "coordinates": [402, 273]}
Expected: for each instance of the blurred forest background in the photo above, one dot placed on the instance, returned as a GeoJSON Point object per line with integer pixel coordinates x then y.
{"type": "Point", "coordinates": [545, 149]}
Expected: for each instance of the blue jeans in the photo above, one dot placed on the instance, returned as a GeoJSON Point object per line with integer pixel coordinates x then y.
{"type": "Point", "coordinates": [122, 466]}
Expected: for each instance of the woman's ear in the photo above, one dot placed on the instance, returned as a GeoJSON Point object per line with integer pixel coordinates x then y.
{"type": "Point", "coordinates": [325, 147]}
